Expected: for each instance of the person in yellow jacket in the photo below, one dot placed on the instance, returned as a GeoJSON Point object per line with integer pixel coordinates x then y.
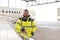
{"type": "Point", "coordinates": [25, 26]}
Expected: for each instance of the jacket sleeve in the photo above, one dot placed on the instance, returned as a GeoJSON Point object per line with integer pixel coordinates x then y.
{"type": "Point", "coordinates": [34, 26]}
{"type": "Point", "coordinates": [17, 26]}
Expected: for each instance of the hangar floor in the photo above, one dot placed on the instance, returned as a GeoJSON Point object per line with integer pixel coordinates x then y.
{"type": "Point", "coordinates": [42, 33]}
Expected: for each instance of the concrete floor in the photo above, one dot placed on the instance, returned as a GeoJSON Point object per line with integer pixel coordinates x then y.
{"type": "Point", "coordinates": [42, 33]}
{"type": "Point", "coordinates": [47, 34]}
{"type": "Point", "coordinates": [48, 31]}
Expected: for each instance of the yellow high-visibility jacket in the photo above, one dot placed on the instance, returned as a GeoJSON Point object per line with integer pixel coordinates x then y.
{"type": "Point", "coordinates": [28, 24]}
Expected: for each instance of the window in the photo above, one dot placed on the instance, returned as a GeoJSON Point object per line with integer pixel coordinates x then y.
{"type": "Point", "coordinates": [6, 11]}
{"type": "Point", "coordinates": [19, 11]}
{"type": "Point", "coordinates": [14, 11]}
{"type": "Point", "coordinates": [3, 11]}
{"type": "Point", "coordinates": [9, 11]}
